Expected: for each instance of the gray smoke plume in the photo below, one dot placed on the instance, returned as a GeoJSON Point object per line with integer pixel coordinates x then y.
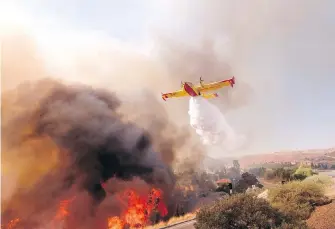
{"type": "Point", "coordinates": [92, 140]}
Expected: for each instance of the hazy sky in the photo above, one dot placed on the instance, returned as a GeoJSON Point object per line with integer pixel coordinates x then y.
{"type": "Point", "coordinates": [285, 47]}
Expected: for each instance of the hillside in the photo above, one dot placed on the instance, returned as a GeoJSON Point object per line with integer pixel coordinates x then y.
{"type": "Point", "coordinates": [288, 156]}
{"type": "Point", "coordinates": [276, 157]}
{"type": "Point", "coordinates": [323, 217]}
{"type": "Point", "coordinates": [331, 154]}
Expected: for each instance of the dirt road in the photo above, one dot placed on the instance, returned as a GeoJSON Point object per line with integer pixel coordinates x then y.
{"type": "Point", "coordinates": [184, 225]}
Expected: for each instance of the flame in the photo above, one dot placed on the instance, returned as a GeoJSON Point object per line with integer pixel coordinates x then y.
{"type": "Point", "coordinates": [63, 210]}
{"type": "Point", "coordinates": [137, 213]}
{"type": "Point", "coordinates": [187, 189]}
{"type": "Point", "coordinates": [191, 187]}
{"type": "Point", "coordinates": [12, 224]}
{"type": "Point", "coordinates": [139, 210]}
{"type": "Point", "coordinates": [115, 223]}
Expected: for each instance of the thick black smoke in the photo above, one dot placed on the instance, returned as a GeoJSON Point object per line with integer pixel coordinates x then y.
{"type": "Point", "coordinates": [85, 122]}
{"type": "Point", "coordinates": [94, 140]}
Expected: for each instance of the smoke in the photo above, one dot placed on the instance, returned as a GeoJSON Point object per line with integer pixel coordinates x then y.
{"type": "Point", "coordinates": [248, 40]}
{"type": "Point", "coordinates": [84, 141]}
{"type": "Point", "coordinates": [275, 56]}
{"type": "Point", "coordinates": [251, 40]}
{"type": "Point", "coordinates": [61, 139]}
{"type": "Point", "coordinates": [190, 61]}
{"type": "Point", "coordinates": [211, 125]}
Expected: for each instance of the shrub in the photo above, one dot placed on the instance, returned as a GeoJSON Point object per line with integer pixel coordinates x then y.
{"type": "Point", "coordinates": [295, 225]}
{"type": "Point", "coordinates": [223, 188]}
{"type": "Point", "coordinates": [240, 211]}
{"type": "Point", "coordinates": [269, 175]}
{"type": "Point", "coordinates": [299, 177]}
{"type": "Point", "coordinates": [258, 171]}
{"type": "Point", "coordinates": [247, 181]}
{"type": "Point", "coordinates": [304, 170]}
{"type": "Point", "coordinates": [297, 199]}
{"type": "Point", "coordinates": [323, 180]}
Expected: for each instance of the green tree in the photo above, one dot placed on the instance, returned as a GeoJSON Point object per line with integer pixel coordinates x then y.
{"type": "Point", "coordinates": [304, 170]}
{"type": "Point", "coordinates": [269, 174]}
{"type": "Point", "coordinates": [246, 181]}
{"type": "Point", "coordinates": [259, 172]}
{"type": "Point", "coordinates": [279, 172]}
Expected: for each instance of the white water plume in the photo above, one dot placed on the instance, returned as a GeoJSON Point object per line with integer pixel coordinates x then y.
{"type": "Point", "coordinates": [211, 125]}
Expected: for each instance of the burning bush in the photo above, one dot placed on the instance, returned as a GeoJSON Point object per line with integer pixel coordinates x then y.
{"type": "Point", "coordinates": [140, 211]}
{"type": "Point", "coordinates": [72, 143]}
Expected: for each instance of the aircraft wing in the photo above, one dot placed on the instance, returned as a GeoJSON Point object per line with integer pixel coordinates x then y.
{"type": "Point", "coordinates": [216, 85]}
{"type": "Point", "coordinates": [175, 94]}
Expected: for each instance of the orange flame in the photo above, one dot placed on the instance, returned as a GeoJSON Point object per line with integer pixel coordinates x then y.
{"type": "Point", "coordinates": [139, 210]}
{"type": "Point", "coordinates": [137, 214]}
{"type": "Point", "coordinates": [12, 223]}
{"type": "Point", "coordinates": [63, 210]}
{"type": "Point", "coordinates": [115, 223]}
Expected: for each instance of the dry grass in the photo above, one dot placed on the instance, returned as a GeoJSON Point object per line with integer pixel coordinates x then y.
{"type": "Point", "coordinates": [323, 180]}
{"type": "Point", "coordinates": [172, 221]}
{"type": "Point", "coordinates": [330, 191]}
{"type": "Point", "coordinates": [296, 199]}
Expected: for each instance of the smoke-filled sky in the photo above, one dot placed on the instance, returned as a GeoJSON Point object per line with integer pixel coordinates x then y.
{"type": "Point", "coordinates": [283, 50]}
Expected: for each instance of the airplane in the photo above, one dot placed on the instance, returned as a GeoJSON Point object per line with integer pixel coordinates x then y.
{"type": "Point", "coordinates": [188, 89]}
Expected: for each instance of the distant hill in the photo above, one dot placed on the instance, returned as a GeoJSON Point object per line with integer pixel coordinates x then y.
{"type": "Point", "coordinates": [331, 154]}
{"type": "Point", "coordinates": [288, 156]}
{"type": "Point", "coordinates": [276, 157]}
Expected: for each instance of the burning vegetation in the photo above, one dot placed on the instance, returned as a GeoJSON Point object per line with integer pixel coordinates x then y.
{"type": "Point", "coordinates": [76, 163]}
{"type": "Point", "coordinates": [140, 211]}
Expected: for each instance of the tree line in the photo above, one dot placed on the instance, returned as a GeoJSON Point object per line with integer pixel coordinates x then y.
{"type": "Point", "coordinates": [284, 174]}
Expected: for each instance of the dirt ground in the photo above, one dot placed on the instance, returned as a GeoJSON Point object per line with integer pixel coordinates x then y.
{"type": "Point", "coordinates": [323, 217]}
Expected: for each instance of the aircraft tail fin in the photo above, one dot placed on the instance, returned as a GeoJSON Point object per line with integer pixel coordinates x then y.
{"type": "Point", "coordinates": [210, 95]}
{"type": "Point", "coordinates": [164, 97]}
{"type": "Point", "coordinates": [232, 81]}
